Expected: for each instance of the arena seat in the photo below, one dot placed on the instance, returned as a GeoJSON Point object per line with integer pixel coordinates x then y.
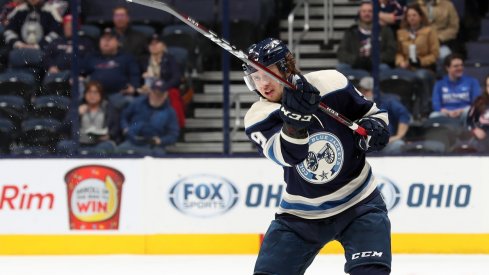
{"type": "Point", "coordinates": [13, 107]}
{"type": "Point", "coordinates": [50, 106]}
{"type": "Point", "coordinates": [56, 84]}
{"type": "Point", "coordinates": [17, 83]}
{"type": "Point", "coordinates": [8, 133]}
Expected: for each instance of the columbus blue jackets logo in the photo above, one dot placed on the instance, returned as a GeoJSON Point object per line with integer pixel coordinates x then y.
{"type": "Point", "coordinates": [324, 160]}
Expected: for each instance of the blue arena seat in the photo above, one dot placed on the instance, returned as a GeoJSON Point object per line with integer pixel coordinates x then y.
{"type": "Point", "coordinates": [8, 133]}
{"type": "Point", "coordinates": [147, 30]}
{"type": "Point", "coordinates": [17, 83]}
{"type": "Point", "coordinates": [13, 108]}
{"type": "Point", "coordinates": [56, 84]}
{"type": "Point", "coordinates": [40, 132]}
{"type": "Point", "coordinates": [477, 53]}
{"type": "Point", "coordinates": [479, 72]}
{"type": "Point", "coordinates": [200, 10]}
{"type": "Point", "coordinates": [91, 31]}
{"type": "Point", "coordinates": [50, 106]}
{"type": "Point", "coordinates": [27, 60]}
{"type": "Point", "coordinates": [484, 34]}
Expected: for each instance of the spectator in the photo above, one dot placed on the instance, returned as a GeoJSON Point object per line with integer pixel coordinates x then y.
{"type": "Point", "coordinates": [478, 120]}
{"type": "Point", "coordinates": [399, 116]}
{"type": "Point", "coordinates": [453, 95]}
{"type": "Point", "coordinates": [149, 123]}
{"type": "Point", "coordinates": [58, 54]}
{"type": "Point", "coordinates": [7, 8]}
{"type": "Point", "coordinates": [390, 14]}
{"type": "Point", "coordinates": [162, 65]}
{"type": "Point", "coordinates": [417, 50]}
{"type": "Point", "coordinates": [118, 72]}
{"type": "Point", "coordinates": [131, 41]}
{"type": "Point", "coordinates": [31, 25]}
{"type": "Point", "coordinates": [354, 50]}
{"type": "Point", "coordinates": [444, 19]}
{"type": "Point", "coordinates": [99, 124]}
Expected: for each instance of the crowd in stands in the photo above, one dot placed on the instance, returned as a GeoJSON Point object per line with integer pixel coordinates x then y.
{"type": "Point", "coordinates": [422, 59]}
{"type": "Point", "coordinates": [134, 76]}
{"type": "Point", "coordinates": [129, 84]}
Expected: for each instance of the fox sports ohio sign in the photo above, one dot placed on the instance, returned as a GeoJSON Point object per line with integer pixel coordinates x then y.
{"type": "Point", "coordinates": [203, 195]}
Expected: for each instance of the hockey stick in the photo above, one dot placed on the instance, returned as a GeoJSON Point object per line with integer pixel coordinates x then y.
{"type": "Point", "coordinates": [243, 57]}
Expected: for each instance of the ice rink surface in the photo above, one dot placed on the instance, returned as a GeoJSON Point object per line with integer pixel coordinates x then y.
{"type": "Point", "coordinates": [225, 265]}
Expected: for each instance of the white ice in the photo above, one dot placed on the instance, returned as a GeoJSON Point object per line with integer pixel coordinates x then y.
{"type": "Point", "coordinates": [224, 264]}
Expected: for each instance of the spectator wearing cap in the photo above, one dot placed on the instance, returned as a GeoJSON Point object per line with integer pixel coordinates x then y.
{"type": "Point", "coordinates": [354, 51]}
{"type": "Point", "coordinates": [399, 116]}
{"type": "Point", "coordinates": [57, 54]}
{"type": "Point", "coordinates": [149, 123]}
{"type": "Point", "coordinates": [130, 41]}
{"type": "Point", "coordinates": [162, 65]}
{"type": "Point", "coordinates": [118, 72]}
{"type": "Point", "coordinates": [455, 92]}
{"type": "Point", "coordinates": [31, 25]}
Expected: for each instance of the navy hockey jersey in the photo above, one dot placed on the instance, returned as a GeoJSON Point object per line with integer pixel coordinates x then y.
{"type": "Point", "coordinates": [325, 173]}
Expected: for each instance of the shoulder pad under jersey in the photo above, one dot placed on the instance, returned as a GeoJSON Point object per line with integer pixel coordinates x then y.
{"type": "Point", "coordinates": [327, 81]}
{"type": "Point", "coordinates": [259, 111]}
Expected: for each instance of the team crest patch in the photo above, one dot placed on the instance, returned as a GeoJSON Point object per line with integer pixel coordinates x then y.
{"type": "Point", "coordinates": [324, 160]}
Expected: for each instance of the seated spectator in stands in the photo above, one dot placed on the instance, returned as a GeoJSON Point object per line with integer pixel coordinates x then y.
{"type": "Point", "coordinates": [478, 120]}
{"type": "Point", "coordinates": [390, 14]}
{"type": "Point", "coordinates": [454, 94]}
{"type": "Point", "coordinates": [99, 124]}
{"type": "Point", "coordinates": [118, 72]}
{"type": "Point", "coordinates": [418, 50]}
{"type": "Point", "coordinates": [57, 55]}
{"type": "Point", "coordinates": [7, 8]}
{"type": "Point", "coordinates": [149, 123]}
{"type": "Point", "coordinates": [399, 116]}
{"type": "Point", "coordinates": [444, 19]}
{"type": "Point", "coordinates": [354, 51]}
{"type": "Point", "coordinates": [162, 65]}
{"type": "Point", "coordinates": [31, 25]}
{"type": "Point", "coordinates": [131, 41]}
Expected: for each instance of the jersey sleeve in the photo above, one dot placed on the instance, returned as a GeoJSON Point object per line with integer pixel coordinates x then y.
{"type": "Point", "coordinates": [263, 126]}
{"type": "Point", "coordinates": [339, 94]}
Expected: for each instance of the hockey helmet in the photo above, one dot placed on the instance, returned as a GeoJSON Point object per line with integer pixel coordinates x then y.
{"type": "Point", "coordinates": [267, 52]}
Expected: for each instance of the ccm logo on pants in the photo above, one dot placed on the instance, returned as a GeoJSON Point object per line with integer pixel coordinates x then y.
{"type": "Point", "coordinates": [366, 254]}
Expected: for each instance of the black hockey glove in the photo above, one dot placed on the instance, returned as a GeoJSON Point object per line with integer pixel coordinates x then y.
{"type": "Point", "coordinates": [298, 106]}
{"type": "Point", "coordinates": [377, 135]}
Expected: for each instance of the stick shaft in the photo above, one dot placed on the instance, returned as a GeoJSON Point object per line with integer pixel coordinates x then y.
{"type": "Point", "coordinates": [242, 56]}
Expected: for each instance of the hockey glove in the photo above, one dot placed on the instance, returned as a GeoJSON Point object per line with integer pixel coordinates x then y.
{"type": "Point", "coordinates": [299, 105]}
{"type": "Point", "coordinates": [377, 135]}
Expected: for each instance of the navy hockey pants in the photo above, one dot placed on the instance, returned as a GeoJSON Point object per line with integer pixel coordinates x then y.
{"type": "Point", "coordinates": [290, 245]}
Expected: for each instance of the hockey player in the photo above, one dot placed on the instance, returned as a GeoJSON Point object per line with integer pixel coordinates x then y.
{"type": "Point", "coordinates": [331, 193]}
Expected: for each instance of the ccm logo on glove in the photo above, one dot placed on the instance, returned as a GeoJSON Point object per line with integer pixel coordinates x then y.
{"type": "Point", "coordinates": [295, 116]}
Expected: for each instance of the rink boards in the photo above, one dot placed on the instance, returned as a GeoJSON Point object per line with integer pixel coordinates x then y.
{"type": "Point", "coordinates": [220, 206]}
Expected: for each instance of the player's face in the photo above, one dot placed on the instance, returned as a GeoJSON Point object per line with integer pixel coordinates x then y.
{"type": "Point", "coordinates": [268, 88]}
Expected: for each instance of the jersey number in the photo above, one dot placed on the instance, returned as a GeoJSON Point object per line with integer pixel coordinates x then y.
{"type": "Point", "coordinates": [259, 138]}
